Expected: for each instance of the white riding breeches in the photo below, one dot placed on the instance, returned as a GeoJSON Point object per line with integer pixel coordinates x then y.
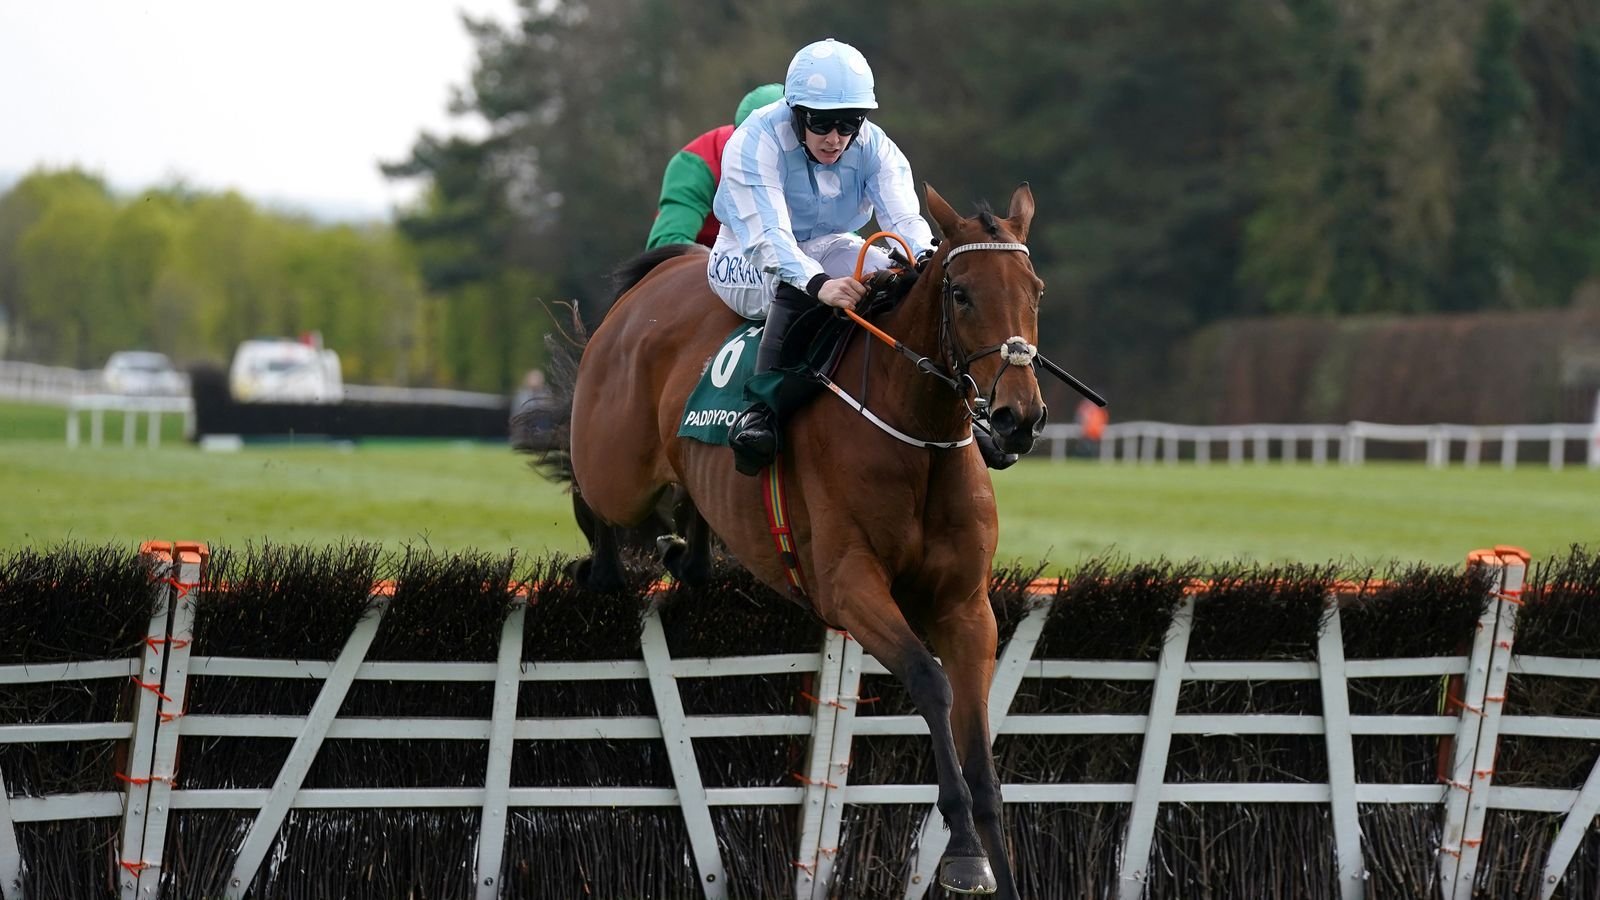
{"type": "Point", "coordinates": [748, 291]}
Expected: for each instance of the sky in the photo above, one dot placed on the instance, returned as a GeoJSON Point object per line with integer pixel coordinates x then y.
{"type": "Point", "coordinates": [292, 103]}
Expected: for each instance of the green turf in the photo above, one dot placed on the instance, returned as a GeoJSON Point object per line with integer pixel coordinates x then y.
{"type": "Point", "coordinates": [477, 496]}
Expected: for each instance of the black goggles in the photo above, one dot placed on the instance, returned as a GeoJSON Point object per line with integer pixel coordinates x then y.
{"type": "Point", "coordinates": [820, 122]}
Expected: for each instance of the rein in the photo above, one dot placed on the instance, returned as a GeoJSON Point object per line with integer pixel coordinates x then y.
{"type": "Point", "coordinates": [1016, 350]}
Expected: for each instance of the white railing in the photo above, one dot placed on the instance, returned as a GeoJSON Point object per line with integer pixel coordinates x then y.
{"type": "Point", "coordinates": [1152, 442]}
{"type": "Point", "coordinates": [33, 383]}
{"type": "Point", "coordinates": [95, 407]}
{"type": "Point", "coordinates": [158, 722]}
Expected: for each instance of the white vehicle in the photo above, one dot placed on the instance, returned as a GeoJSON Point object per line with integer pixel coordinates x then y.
{"type": "Point", "coordinates": [285, 371]}
{"type": "Point", "coordinates": [144, 373]}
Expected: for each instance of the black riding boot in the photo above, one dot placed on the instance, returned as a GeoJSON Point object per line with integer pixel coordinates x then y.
{"type": "Point", "coordinates": [754, 435]}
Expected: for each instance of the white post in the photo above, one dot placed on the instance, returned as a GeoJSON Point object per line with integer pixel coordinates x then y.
{"type": "Point", "coordinates": [1507, 598]}
{"type": "Point", "coordinates": [502, 728]}
{"type": "Point", "coordinates": [10, 852]}
{"type": "Point", "coordinates": [141, 752]}
{"type": "Point", "coordinates": [169, 725]}
{"type": "Point", "coordinates": [264, 830]}
{"type": "Point", "coordinates": [680, 756]}
{"type": "Point", "coordinates": [1341, 756]}
{"type": "Point", "coordinates": [837, 775]}
{"type": "Point", "coordinates": [1132, 873]}
{"type": "Point", "coordinates": [816, 773]}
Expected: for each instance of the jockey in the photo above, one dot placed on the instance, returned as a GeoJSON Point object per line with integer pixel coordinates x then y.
{"type": "Point", "coordinates": [683, 214]}
{"type": "Point", "coordinates": [798, 179]}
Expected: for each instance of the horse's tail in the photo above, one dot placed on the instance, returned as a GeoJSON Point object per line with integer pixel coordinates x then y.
{"type": "Point", "coordinates": [545, 430]}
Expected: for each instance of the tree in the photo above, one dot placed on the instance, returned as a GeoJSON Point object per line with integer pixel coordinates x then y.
{"type": "Point", "coordinates": [31, 312]}
{"type": "Point", "coordinates": [1495, 165]}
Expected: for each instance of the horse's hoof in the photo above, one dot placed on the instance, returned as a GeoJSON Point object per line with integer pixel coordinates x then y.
{"type": "Point", "coordinates": [967, 875]}
{"type": "Point", "coordinates": [670, 548]}
{"type": "Point", "coordinates": [585, 574]}
{"type": "Point", "coordinates": [578, 570]}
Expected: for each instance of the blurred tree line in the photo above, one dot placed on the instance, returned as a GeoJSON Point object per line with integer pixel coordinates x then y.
{"type": "Point", "coordinates": [84, 273]}
{"type": "Point", "coordinates": [1193, 161]}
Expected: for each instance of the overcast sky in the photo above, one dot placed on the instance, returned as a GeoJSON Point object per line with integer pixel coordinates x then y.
{"type": "Point", "coordinates": [292, 103]}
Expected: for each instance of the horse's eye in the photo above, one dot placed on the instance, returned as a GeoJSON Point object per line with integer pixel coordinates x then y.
{"type": "Point", "coordinates": [961, 298]}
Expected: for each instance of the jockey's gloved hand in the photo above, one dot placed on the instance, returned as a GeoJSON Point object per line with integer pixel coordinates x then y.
{"type": "Point", "coordinates": [924, 256]}
{"type": "Point", "coordinates": [993, 456]}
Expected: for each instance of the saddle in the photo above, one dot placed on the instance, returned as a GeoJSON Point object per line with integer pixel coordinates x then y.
{"type": "Point", "coordinates": [815, 343]}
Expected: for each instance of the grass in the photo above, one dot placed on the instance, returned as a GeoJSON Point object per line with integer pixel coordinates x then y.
{"type": "Point", "coordinates": [36, 422]}
{"type": "Point", "coordinates": [454, 497]}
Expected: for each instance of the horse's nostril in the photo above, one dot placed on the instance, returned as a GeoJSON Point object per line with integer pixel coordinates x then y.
{"type": "Point", "coordinates": [1004, 420]}
{"type": "Point", "coordinates": [1039, 423]}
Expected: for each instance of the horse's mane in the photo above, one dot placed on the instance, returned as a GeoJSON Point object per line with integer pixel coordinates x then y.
{"type": "Point", "coordinates": [634, 270]}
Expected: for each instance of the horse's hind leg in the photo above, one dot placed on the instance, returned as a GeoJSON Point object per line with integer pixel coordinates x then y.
{"type": "Point", "coordinates": [688, 558]}
{"type": "Point", "coordinates": [602, 570]}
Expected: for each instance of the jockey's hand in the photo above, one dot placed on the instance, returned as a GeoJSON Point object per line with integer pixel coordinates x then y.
{"type": "Point", "coordinates": [842, 292]}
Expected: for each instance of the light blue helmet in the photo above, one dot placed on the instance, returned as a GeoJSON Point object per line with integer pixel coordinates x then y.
{"type": "Point", "coordinates": [829, 74]}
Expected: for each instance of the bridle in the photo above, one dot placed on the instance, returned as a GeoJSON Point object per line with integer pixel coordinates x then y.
{"type": "Point", "coordinates": [1016, 351]}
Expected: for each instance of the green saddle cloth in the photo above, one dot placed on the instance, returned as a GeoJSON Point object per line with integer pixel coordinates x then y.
{"type": "Point", "coordinates": [728, 386]}
{"type": "Point", "coordinates": [719, 397]}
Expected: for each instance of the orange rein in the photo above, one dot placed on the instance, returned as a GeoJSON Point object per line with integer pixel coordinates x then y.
{"type": "Point", "coordinates": [861, 259]}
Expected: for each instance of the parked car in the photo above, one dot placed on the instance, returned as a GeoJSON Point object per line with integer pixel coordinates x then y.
{"type": "Point", "coordinates": [285, 371]}
{"type": "Point", "coordinates": [143, 372]}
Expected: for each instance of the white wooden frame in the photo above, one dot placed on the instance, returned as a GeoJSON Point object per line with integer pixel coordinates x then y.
{"type": "Point", "coordinates": [157, 726]}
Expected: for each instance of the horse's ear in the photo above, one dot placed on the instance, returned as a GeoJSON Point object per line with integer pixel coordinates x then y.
{"type": "Point", "coordinates": [1021, 213]}
{"type": "Point", "coordinates": [943, 215]}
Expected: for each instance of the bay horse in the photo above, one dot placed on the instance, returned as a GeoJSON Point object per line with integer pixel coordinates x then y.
{"type": "Point", "coordinates": [893, 537]}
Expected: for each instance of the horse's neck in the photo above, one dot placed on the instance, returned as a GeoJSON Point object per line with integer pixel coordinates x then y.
{"type": "Point", "coordinates": [902, 393]}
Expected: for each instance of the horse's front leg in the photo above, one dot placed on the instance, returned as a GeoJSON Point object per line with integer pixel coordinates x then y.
{"type": "Point", "coordinates": [859, 601]}
{"type": "Point", "coordinates": [965, 637]}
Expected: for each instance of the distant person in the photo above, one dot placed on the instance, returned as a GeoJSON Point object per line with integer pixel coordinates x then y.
{"type": "Point", "coordinates": [533, 388]}
{"type": "Point", "coordinates": [533, 419]}
{"type": "Point", "coordinates": [1092, 420]}
{"type": "Point", "coordinates": [683, 214]}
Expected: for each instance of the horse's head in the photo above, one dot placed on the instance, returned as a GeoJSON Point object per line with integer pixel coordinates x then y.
{"type": "Point", "coordinates": [989, 312]}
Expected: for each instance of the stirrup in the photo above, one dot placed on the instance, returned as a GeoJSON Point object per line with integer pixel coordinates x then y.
{"type": "Point", "coordinates": [754, 440]}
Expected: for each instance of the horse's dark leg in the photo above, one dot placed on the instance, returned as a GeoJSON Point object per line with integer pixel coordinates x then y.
{"type": "Point", "coordinates": [688, 558]}
{"type": "Point", "coordinates": [870, 614]}
{"type": "Point", "coordinates": [965, 638]}
{"type": "Point", "coordinates": [602, 571]}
